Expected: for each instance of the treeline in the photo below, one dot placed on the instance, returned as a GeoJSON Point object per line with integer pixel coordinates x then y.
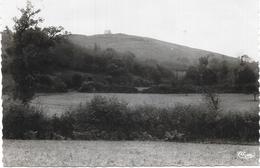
{"type": "Point", "coordinates": [241, 76]}
{"type": "Point", "coordinates": [220, 76]}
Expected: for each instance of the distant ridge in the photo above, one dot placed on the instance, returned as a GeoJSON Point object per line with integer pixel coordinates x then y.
{"type": "Point", "coordinates": [173, 55]}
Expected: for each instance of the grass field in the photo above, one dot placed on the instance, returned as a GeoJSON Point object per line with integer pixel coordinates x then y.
{"type": "Point", "coordinates": [59, 103]}
{"type": "Point", "coordinates": [124, 153]}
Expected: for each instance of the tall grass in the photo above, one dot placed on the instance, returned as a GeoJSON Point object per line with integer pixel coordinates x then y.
{"type": "Point", "coordinates": [111, 119]}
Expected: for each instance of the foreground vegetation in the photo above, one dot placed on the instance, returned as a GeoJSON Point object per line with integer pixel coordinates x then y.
{"type": "Point", "coordinates": [110, 119]}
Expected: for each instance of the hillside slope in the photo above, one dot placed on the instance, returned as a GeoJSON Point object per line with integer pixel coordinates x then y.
{"type": "Point", "coordinates": [147, 48]}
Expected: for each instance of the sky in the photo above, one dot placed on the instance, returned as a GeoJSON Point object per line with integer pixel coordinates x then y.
{"type": "Point", "coordinates": [225, 26]}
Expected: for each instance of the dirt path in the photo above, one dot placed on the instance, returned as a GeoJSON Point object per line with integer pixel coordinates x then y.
{"type": "Point", "coordinates": [124, 153]}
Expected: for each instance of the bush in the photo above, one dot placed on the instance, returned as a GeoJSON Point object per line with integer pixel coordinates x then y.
{"type": "Point", "coordinates": [92, 87]}
{"type": "Point", "coordinates": [181, 123]}
{"type": "Point", "coordinates": [62, 126]}
{"type": "Point", "coordinates": [59, 85]}
{"type": "Point", "coordinates": [110, 119]}
{"type": "Point", "coordinates": [103, 113]}
{"type": "Point", "coordinates": [24, 122]}
{"type": "Point", "coordinates": [48, 83]}
{"type": "Point", "coordinates": [77, 80]}
{"type": "Point", "coordinates": [21, 121]}
{"type": "Point", "coordinates": [238, 127]}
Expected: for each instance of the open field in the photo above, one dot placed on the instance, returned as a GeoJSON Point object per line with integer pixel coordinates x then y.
{"type": "Point", "coordinates": [59, 103]}
{"type": "Point", "coordinates": [123, 153]}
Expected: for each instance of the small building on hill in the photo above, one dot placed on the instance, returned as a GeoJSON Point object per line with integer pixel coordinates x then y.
{"type": "Point", "coordinates": [107, 32]}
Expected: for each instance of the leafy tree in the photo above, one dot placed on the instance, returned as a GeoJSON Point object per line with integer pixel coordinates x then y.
{"type": "Point", "coordinates": [246, 75]}
{"type": "Point", "coordinates": [224, 70]}
{"type": "Point", "coordinates": [192, 74]}
{"type": "Point", "coordinates": [77, 79]}
{"type": "Point", "coordinates": [203, 74]}
{"type": "Point", "coordinates": [209, 77]}
{"type": "Point", "coordinates": [204, 61]}
{"type": "Point", "coordinates": [30, 51]}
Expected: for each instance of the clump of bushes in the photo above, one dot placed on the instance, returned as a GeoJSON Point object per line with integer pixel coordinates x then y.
{"type": "Point", "coordinates": [21, 121]}
{"type": "Point", "coordinates": [48, 83]}
{"type": "Point", "coordinates": [92, 86]}
{"type": "Point", "coordinates": [111, 119]}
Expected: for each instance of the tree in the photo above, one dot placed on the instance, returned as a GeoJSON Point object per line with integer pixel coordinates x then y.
{"type": "Point", "coordinates": [30, 51]}
{"type": "Point", "coordinates": [77, 79]}
{"type": "Point", "coordinates": [246, 75]}
{"type": "Point", "coordinates": [247, 80]}
{"type": "Point", "coordinates": [193, 75]}
{"type": "Point", "coordinates": [207, 75]}
{"type": "Point", "coordinates": [204, 61]}
{"type": "Point", "coordinates": [224, 70]}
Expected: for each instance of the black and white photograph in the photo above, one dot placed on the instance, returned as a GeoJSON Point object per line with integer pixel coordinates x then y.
{"type": "Point", "coordinates": [129, 83]}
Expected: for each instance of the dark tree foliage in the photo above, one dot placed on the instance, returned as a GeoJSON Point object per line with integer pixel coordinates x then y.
{"type": "Point", "coordinates": [76, 81]}
{"type": "Point", "coordinates": [206, 75]}
{"type": "Point", "coordinates": [224, 76]}
{"type": "Point", "coordinates": [31, 45]}
{"type": "Point", "coordinates": [247, 79]}
{"type": "Point", "coordinates": [192, 75]}
{"type": "Point", "coordinates": [246, 75]}
{"type": "Point", "coordinates": [107, 62]}
{"type": "Point", "coordinates": [209, 77]}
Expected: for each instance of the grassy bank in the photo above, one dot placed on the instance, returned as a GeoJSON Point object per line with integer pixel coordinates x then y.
{"type": "Point", "coordinates": [111, 119]}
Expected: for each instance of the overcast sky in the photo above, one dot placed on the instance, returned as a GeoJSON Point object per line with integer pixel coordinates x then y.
{"type": "Point", "coordinates": [225, 26]}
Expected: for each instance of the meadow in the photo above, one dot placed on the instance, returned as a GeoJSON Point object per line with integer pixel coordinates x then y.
{"type": "Point", "coordinates": [124, 153]}
{"type": "Point", "coordinates": [62, 102]}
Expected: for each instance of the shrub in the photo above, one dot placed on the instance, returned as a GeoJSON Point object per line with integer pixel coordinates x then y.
{"type": "Point", "coordinates": [212, 101]}
{"type": "Point", "coordinates": [103, 113]}
{"type": "Point", "coordinates": [92, 87]}
{"type": "Point", "coordinates": [111, 119]}
{"type": "Point", "coordinates": [59, 85]}
{"type": "Point", "coordinates": [238, 127]}
{"type": "Point", "coordinates": [62, 125]}
{"type": "Point", "coordinates": [77, 80]}
{"type": "Point", "coordinates": [24, 122]}
{"type": "Point", "coordinates": [48, 83]}
{"type": "Point", "coordinates": [20, 121]}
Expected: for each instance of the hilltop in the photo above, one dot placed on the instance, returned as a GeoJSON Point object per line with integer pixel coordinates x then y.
{"type": "Point", "coordinates": [174, 55]}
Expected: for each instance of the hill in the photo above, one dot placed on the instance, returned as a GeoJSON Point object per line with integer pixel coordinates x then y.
{"type": "Point", "coordinates": [122, 63]}
{"type": "Point", "coordinates": [174, 55]}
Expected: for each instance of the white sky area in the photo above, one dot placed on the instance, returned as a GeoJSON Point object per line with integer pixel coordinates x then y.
{"type": "Point", "coordinates": [224, 26]}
